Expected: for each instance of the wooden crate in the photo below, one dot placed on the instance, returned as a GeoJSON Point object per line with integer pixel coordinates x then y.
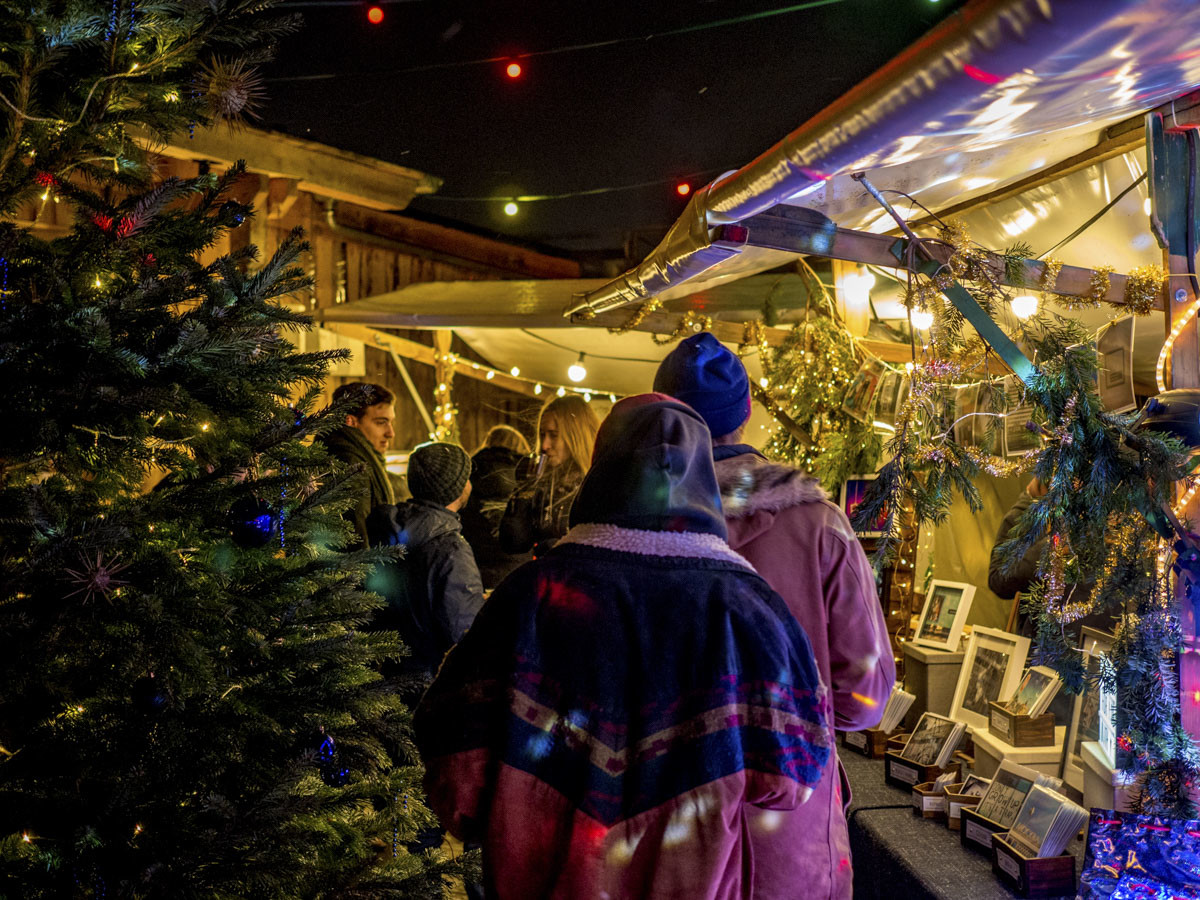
{"type": "Point", "coordinates": [977, 832]}
{"type": "Point", "coordinates": [928, 803]}
{"type": "Point", "coordinates": [901, 773]}
{"type": "Point", "coordinates": [871, 743]}
{"type": "Point", "coordinates": [1021, 731]}
{"type": "Point", "coordinates": [1032, 876]}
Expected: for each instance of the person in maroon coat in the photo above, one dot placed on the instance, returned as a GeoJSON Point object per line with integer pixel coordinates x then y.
{"type": "Point", "coordinates": [780, 520]}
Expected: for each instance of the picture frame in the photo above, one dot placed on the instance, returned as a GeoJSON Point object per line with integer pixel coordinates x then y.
{"type": "Point", "coordinates": [1018, 439]}
{"type": "Point", "coordinates": [1084, 724]}
{"type": "Point", "coordinates": [860, 394]}
{"type": "Point", "coordinates": [853, 490]}
{"type": "Point", "coordinates": [965, 405]}
{"type": "Point", "coordinates": [887, 398]}
{"type": "Point", "coordinates": [1114, 355]}
{"type": "Point", "coordinates": [1035, 690]}
{"type": "Point", "coordinates": [991, 669]}
{"type": "Point", "coordinates": [943, 615]}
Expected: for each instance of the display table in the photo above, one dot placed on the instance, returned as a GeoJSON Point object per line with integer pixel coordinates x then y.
{"type": "Point", "coordinates": [897, 854]}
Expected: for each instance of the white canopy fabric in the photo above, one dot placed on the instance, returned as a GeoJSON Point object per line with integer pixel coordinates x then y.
{"type": "Point", "coordinates": [1001, 89]}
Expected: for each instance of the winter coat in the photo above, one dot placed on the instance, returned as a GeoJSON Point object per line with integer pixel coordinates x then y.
{"type": "Point", "coordinates": [538, 512]}
{"type": "Point", "coordinates": [493, 480]}
{"type": "Point", "coordinates": [351, 447]}
{"type": "Point", "coordinates": [628, 700]}
{"type": "Point", "coordinates": [434, 593]}
{"type": "Point", "coordinates": [803, 545]}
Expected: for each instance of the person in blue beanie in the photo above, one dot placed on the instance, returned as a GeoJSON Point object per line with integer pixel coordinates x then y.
{"type": "Point", "coordinates": [780, 520]}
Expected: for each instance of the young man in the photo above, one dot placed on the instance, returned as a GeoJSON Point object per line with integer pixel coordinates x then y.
{"type": "Point", "coordinates": [362, 440]}
{"type": "Point", "coordinates": [434, 592]}
{"type": "Point", "coordinates": [780, 520]}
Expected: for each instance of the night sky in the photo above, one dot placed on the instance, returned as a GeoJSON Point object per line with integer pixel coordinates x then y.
{"type": "Point", "coordinates": [679, 106]}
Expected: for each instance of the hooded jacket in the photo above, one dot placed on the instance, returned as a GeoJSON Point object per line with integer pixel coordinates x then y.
{"type": "Point", "coordinates": [434, 593]}
{"type": "Point", "coordinates": [803, 545]}
{"type": "Point", "coordinates": [493, 480]}
{"type": "Point", "coordinates": [351, 447]}
{"type": "Point", "coordinates": [624, 701]}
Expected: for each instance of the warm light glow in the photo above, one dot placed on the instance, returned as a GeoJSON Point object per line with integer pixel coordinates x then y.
{"type": "Point", "coordinates": [576, 372]}
{"type": "Point", "coordinates": [510, 208]}
{"type": "Point", "coordinates": [922, 319]}
{"type": "Point", "coordinates": [375, 15]}
{"type": "Point", "coordinates": [587, 396]}
{"type": "Point", "coordinates": [513, 70]}
{"type": "Point", "coordinates": [683, 189]}
{"type": "Point", "coordinates": [537, 388]}
{"type": "Point", "coordinates": [1147, 206]}
{"type": "Point", "coordinates": [1024, 306]}
{"type": "Point", "coordinates": [204, 427]}
{"type": "Point", "coordinates": [763, 382]}
{"type": "Point", "coordinates": [562, 392]}
{"type": "Point", "coordinates": [490, 375]}
{"type": "Point", "coordinates": [1180, 324]}
{"type": "Point", "coordinates": [514, 371]}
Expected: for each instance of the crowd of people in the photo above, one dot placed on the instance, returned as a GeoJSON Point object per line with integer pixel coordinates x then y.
{"type": "Point", "coordinates": [629, 650]}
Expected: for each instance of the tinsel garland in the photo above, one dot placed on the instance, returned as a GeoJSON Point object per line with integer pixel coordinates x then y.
{"type": "Point", "coordinates": [1143, 288]}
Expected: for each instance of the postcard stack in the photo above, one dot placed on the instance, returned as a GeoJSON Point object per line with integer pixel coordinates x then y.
{"type": "Point", "coordinates": [1005, 796]}
{"type": "Point", "coordinates": [1037, 688]}
{"type": "Point", "coordinates": [897, 705]}
{"type": "Point", "coordinates": [1046, 822]}
{"type": "Point", "coordinates": [933, 740]}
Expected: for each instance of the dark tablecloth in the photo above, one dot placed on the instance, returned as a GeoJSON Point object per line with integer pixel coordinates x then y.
{"type": "Point", "coordinates": [900, 855]}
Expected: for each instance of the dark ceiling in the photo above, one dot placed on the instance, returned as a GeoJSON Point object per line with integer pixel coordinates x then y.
{"type": "Point", "coordinates": [637, 114]}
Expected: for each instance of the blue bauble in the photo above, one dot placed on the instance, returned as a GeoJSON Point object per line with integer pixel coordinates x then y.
{"type": "Point", "coordinates": [333, 773]}
{"type": "Point", "coordinates": [252, 522]}
{"type": "Point", "coordinates": [148, 695]}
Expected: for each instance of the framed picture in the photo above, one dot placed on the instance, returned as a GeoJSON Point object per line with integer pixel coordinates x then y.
{"type": "Point", "coordinates": [943, 615]}
{"type": "Point", "coordinates": [887, 400]}
{"type": "Point", "coordinates": [1114, 353]}
{"type": "Point", "coordinates": [991, 669]}
{"type": "Point", "coordinates": [853, 492]}
{"type": "Point", "coordinates": [860, 395]}
{"type": "Point", "coordinates": [1038, 686]}
{"type": "Point", "coordinates": [966, 403]}
{"type": "Point", "coordinates": [987, 430]}
{"type": "Point", "coordinates": [1084, 724]}
{"type": "Point", "coordinates": [1018, 439]}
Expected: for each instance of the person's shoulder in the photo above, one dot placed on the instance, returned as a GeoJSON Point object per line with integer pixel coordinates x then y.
{"type": "Point", "coordinates": [750, 484]}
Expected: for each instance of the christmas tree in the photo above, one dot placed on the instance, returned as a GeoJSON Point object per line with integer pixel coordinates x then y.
{"type": "Point", "coordinates": [189, 702]}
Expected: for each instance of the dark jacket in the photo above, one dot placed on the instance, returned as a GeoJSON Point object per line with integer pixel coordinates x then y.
{"type": "Point", "coordinates": [434, 592]}
{"type": "Point", "coordinates": [351, 447]}
{"type": "Point", "coordinates": [493, 480]}
{"type": "Point", "coordinates": [629, 696]}
{"type": "Point", "coordinates": [538, 513]}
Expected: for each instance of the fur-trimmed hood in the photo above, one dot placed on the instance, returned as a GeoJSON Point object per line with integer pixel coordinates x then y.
{"type": "Point", "coordinates": [750, 484]}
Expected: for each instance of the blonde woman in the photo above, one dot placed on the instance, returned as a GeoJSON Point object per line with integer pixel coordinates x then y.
{"type": "Point", "coordinates": [538, 511]}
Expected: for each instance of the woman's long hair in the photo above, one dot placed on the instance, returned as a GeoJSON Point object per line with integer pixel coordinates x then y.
{"type": "Point", "coordinates": [507, 437]}
{"type": "Point", "coordinates": [577, 426]}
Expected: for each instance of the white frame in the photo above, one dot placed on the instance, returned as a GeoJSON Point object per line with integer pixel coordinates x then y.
{"type": "Point", "coordinates": [1013, 645]}
{"type": "Point", "coordinates": [842, 498]}
{"type": "Point", "coordinates": [1116, 336]}
{"type": "Point", "coordinates": [960, 616]}
{"type": "Point", "coordinates": [1093, 642]}
{"type": "Point", "coordinates": [1045, 695]}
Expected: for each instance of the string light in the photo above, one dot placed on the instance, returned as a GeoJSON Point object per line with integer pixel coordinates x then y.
{"type": "Point", "coordinates": [576, 371]}
{"type": "Point", "coordinates": [1024, 306]}
{"type": "Point", "coordinates": [514, 371]}
{"type": "Point", "coordinates": [561, 392]}
{"type": "Point", "coordinates": [513, 70]}
{"type": "Point", "coordinates": [922, 319]}
{"type": "Point", "coordinates": [537, 388]}
{"type": "Point", "coordinates": [1180, 324]}
{"type": "Point", "coordinates": [510, 208]}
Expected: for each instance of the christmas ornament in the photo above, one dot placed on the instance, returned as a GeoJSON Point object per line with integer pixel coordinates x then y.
{"type": "Point", "coordinates": [235, 212]}
{"type": "Point", "coordinates": [233, 89]}
{"type": "Point", "coordinates": [96, 577]}
{"type": "Point", "coordinates": [332, 771]}
{"type": "Point", "coordinates": [252, 522]}
{"type": "Point", "coordinates": [148, 695]}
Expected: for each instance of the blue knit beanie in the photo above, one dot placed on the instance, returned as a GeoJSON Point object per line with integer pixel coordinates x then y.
{"type": "Point", "coordinates": [710, 379]}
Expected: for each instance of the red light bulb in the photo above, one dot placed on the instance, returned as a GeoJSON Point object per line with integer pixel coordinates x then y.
{"type": "Point", "coordinates": [375, 15]}
{"type": "Point", "coordinates": [683, 189]}
{"type": "Point", "coordinates": [513, 70]}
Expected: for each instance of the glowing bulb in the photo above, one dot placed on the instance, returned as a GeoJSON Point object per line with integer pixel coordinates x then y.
{"type": "Point", "coordinates": [204, 427]}
{"type": "Point", "coordinates": [1147, 206]}
{"type": "Point", "coordinates": [762, 382]}
{"type": "Point", "coordinates": [683, 189]}
{"type": "Point", "coordinates": [537, 388]}
{"type": "Point", "coordinates": [490, 375]}
{"type": "Point", "coordinates": [510, 208]}
{"type": "Point", "coordinates": [612, 398]}
{"type": "Point", "coordinates": [1024, 306]}
{"type": "Point", "coordinates": [514, 371]}
{"type": "Point", "coordinates": [562, 392]}
{"type": "Point", "coordinates": [587, 396]}
{"type": "Point", "coordinates": [513, 70]}
{"type": "Point", "coordinates": [922, 319]}
{"type": "Point", "coordinates": [375, 15]}
{"type": "Point", "coordinates": [576, 372]}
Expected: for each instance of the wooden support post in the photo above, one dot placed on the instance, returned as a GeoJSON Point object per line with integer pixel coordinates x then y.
{"type": "Point", "coordinates": [1174, 178]}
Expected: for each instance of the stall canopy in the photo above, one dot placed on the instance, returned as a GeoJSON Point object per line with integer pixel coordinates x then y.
{"type": "Point", "coordinates": [1022, 118]}
{"type": "Point", "coordinates": [997, 91]}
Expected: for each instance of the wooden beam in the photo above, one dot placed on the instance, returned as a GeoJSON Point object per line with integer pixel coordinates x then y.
{"type": "Point", "coordinates": [798, 230]}
{"type": "Point", "coordinates": [425, 354]}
